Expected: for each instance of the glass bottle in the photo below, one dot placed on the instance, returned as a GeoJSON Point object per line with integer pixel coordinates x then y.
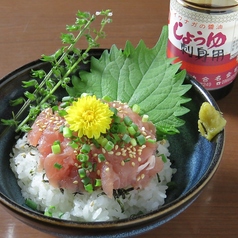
{"type": "Point", "coordinates": [203, 35]}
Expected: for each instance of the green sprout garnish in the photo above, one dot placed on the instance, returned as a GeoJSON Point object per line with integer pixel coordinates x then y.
{"type": "Point", "coordinates": [65, 62]}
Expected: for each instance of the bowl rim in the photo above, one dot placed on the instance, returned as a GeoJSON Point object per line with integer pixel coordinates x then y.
{"type": "Point", "coordinates": [161, 212]}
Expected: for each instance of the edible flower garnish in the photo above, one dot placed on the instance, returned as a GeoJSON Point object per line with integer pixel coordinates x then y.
{"type": "Point", "coordinates": [89, 116]}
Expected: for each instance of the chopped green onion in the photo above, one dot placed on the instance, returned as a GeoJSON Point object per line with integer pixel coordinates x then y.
{"type": "Point", "coordinates": [89, 188]}
{"type": "Point", "coordinates": [137, 133]}
{"type": "Point", "coordinates": [48, 214]}
{"type": "Point", "coordinates": [122, 144]}
{"type": "Point", "coordinates": [86, 180]}
{"type": "Point", "coordinates": [126, 138]}
{"type": "Point", "coordinates": [116, 138]}
{"type": "Point", "coordinates": [73, 144]}
{"type": "Point", "coordinates": [49, 211]}
{"type": "Point", "coordinates": [67, 133]}
{"type": "Point", "coordinates": [98, 183]}
{"type": "Point", "coordinates": [82, 157]}
{"type": "Point", "coordinates": [85, 148]}
{"type": "Point", "coordinates": [57, 142]}
{"type": "Point", "coordinates": [116, 119]}
{"type": "Point", "coordinates": [95, 142]}
{"type": "Point", "coordinates": [134, 126]}
{"type": "Point", "coordinates": [127, 120]}
{"type": "Point", "coordinates": [151, 140]}
{"type": "Point", "coordinates": [94, 167]}
{"type": "Point", "coordinates": [103, 141]}
{"type": "Point", "coordinates": [31, 204]}
{"type": "Point", "coordinates": [133, 142]}
{"type": "Point", "coordinates": [131, 130]}
{"type": "Point", "coordinates": [136, 108]}
{"type": "Point", "coordinates": [88, 165]}
{"type": "Point", "coordinates": [101, 158]}
{"type": "Point", "coordinates": [109, 138]}
{"type": "Point", "coordinates": [58, 166]}
{"type": "Point", "coordinates": [122, 129]}
{"type": "Point", "coordinates": [109, 146]}
{"type": "Point", "coordinates": [99, 140]}
{"type": "Point", "coordinates": [55, 149]}
{"type": "Point", "coordinates": [163, 157]}
{"type": "Point", "coordinates": [82, 173]}
{"type": "Point", "coordinates": [114, 128]}
{"type": "Point", "coordinates": [145, 118]}
{"type": "Point", "coordinates": [141, 139]}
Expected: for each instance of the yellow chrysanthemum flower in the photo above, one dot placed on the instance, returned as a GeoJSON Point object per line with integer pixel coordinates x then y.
{"type": "Point", "coordinates": [89, 117]}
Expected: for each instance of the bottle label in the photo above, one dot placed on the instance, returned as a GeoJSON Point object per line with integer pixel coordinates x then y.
{"type": "Point", "coordinates": [205, 43]}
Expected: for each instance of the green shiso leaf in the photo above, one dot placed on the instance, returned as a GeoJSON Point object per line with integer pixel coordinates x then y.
{"type": "Point", "coordinates": [140, 76]}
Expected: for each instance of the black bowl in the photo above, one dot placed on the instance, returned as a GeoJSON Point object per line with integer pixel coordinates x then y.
{"type": "Point", "coordinates": [195, 158]}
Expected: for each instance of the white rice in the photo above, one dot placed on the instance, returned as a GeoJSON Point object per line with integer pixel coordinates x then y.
{"type": "Point", "coordinates": [86, 207]}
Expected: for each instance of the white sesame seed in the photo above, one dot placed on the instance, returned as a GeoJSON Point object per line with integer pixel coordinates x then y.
{"type": "Point", "coordinates": [131, 155]}
{"type": "Point", "coordinates": [144, 133]}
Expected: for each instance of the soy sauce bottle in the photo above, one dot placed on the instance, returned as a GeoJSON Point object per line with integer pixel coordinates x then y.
{"type": "Point", "coordinates": [203, 35]}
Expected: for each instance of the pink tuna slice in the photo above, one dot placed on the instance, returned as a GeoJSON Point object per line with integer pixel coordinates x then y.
{"type": "Point", "coordinates": [128, 166]}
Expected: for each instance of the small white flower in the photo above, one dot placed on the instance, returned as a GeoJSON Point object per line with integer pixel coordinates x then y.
{"type": "Point", "coordinates": [98, 13]}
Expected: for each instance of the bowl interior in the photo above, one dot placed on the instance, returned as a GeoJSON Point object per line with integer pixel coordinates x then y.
{"type": "Point", "coordinates": [195, 158]}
